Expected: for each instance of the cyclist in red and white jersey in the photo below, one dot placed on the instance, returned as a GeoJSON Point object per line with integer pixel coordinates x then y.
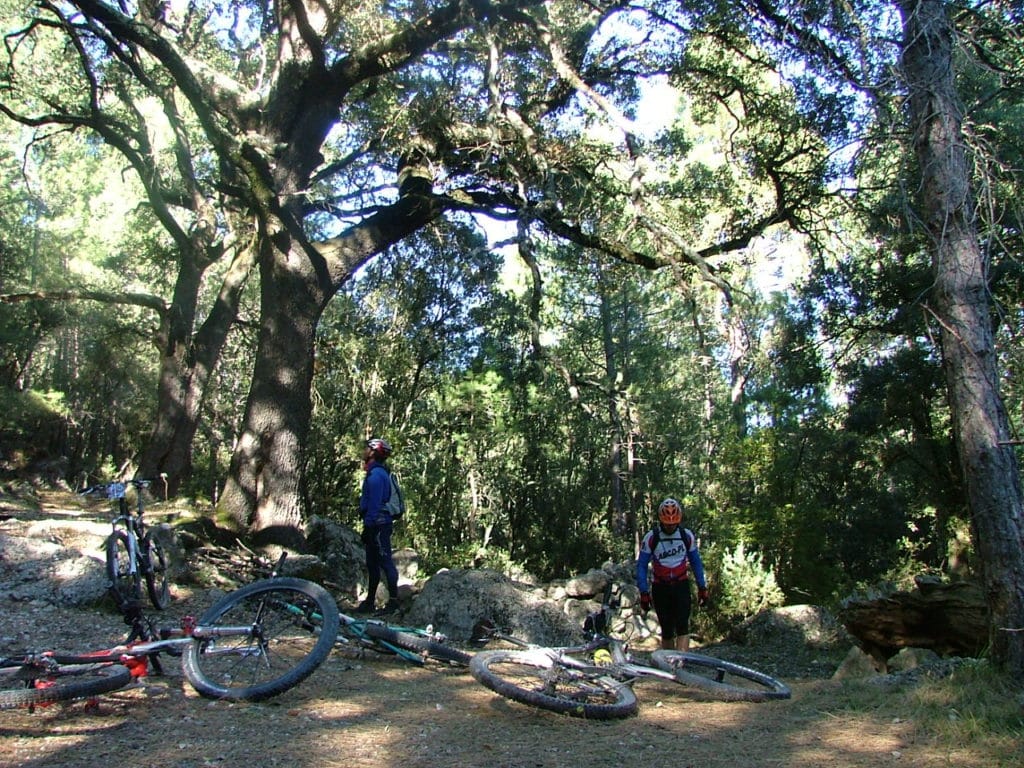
{"type": "Point", "coordinates": [667, 554]}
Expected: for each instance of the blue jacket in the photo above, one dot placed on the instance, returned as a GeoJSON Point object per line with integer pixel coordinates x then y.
{"type": "Point", "coordinates": [376, 490]}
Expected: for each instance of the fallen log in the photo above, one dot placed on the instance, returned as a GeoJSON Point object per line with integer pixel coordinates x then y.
{"type": "Point", "coordinates": [950, 618]}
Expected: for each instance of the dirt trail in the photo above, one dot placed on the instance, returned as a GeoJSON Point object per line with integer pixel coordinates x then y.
{"type": "Point", "coordinates": [379, 711]}
{"type": "Point", "coordinates": [354, 712]}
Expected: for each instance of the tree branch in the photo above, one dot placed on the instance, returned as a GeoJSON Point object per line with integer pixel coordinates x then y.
{"type": "Point", "coordinates": [148, 300]}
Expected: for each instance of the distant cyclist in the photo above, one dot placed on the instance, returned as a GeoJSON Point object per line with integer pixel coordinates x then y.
{"type": "Point", "coordinates": [377, 525]}
{"type": "Point", "coordinates": [669, 552]}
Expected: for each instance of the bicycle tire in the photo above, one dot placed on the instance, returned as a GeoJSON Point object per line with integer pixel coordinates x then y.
{"type": "Point", "coordinates": [718, 679]}
{"type": "Point", "coordinates": [294, 624]}
{"type": "Point", "coordinates": [124, 586]}
{"type": "Point", "coordinates": [63, 684]}
{"type": "Point", "coordinates": [416, 643]}
{"type": "Point", "coordinates": [535, 678]}
{"type": "Point", "coordinates": [157, 586]}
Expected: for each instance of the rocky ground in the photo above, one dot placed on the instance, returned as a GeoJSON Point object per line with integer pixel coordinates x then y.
{"type": "Point", "coordinates": [357, 712]}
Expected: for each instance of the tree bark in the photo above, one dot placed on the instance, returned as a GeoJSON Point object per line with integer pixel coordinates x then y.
{"type": "Point", "coordinates": [960, 295]}
{"type": "Point", "coordinates": [187, 361]}
{"type": "Point", "coordinates": [264, 491]}
{"type": "Point", "coordinates": [948, 618]}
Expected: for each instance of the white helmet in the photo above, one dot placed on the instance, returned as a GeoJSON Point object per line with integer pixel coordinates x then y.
{"type": "Point", "coordinates": [380, 447]}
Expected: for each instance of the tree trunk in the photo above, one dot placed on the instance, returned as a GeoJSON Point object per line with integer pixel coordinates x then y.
{"type": "Point", "coordinates": [265, 489]}
{"type": "Point", "coordinates": [263, 492]}
{"type": "Point", "coordinates": [187, 362]}
{"type": "Point", "coordinates": [961, 308]}
{"type": "Point", "coordinates": [614, 385]}
{"type": "Point", "coordinates": [948, 618]}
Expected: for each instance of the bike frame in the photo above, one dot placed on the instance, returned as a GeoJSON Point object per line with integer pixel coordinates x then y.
{"type": "Point", "coordinates": [622, 668]}
{"type": "Point", "coordinates": [134, 656]}
{"type": "Point", "coordinates": [132, 523]}
{"type": "Point", "coordinates": [281, 652]}
{"type": "Point", "coordinates": [358, 628]}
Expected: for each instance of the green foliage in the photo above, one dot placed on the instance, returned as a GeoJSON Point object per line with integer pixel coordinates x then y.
{"type": "Point", "coordinates": [29, 413]}
{"type": "Point", "coordinates": [539, 419]}
{"type": "Point", "coordinates": [744, 585]}
{"type": "Point", "coordinates": [741, 585]}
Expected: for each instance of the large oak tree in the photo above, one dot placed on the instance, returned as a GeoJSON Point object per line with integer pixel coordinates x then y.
{"type": "Point", "coordinates": [306, 138]}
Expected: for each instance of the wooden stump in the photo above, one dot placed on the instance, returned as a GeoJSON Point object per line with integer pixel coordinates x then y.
{"type": "Point", "coordinates": [948, 618]}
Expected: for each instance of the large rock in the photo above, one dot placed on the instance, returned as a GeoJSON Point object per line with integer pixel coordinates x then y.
{"type": "Point", "coordinates": [857, 665]}
{"type": "Point", "coordinates": [810, 626]}
{"type": "Point", "coordinates": [59, 562]}
{"type": "Point", "coordinates": [589, 584]}
{"type": "Point", "coordinates": [912, 658]}
{"type": "Point", "coordinates": [340, 550]}
{"type": "Point", "coordinates": [454, 601]}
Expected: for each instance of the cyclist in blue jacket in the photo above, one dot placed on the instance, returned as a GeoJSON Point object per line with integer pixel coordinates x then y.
{"type": "Point", "coordinates": [377, 526]}
{"type": "Point", "coordinates": [670, 552]}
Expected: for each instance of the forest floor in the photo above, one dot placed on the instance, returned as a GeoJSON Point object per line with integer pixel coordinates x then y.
{"type": "Point", "coordinates": [373, 712]}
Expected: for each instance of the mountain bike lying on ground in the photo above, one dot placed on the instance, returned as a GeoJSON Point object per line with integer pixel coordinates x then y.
{"type": "Point", "coordinates": [356, 636]}
{"type": "Point", "coordinates": [595, 679]}
{"type": "Point", "coordinates": [134, 552]}
{"type": "Point", "coordinates": [254, 643]}
{"type": "Point", "coordinates": [412, 644]}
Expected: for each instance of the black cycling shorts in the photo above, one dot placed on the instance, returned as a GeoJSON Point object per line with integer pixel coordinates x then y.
{"type": "Point", "coordinates": [672, 603]}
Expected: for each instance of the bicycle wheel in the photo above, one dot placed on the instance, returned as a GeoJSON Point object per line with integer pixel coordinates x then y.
{"type": "Point", "coordinates": [532, 677]}
{"type": "Point", "coordinates": [720, 679]}
{"type": "Point", "coordinates": [123, 584]}
{"type": "Point", "coordinates": [24, 686]}
{"type": "Point", "coordinates": [157, 586]}
{"type": "Point", "coordinates": [417, 643]}
{"type": "Point", "coordinates": [272, 635]}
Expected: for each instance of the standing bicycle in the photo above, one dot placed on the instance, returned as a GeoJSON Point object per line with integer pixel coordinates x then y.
{"type": "Point", "coordinates": [134, 552]}
{"type": "Point", "coordinates": [594, 679]}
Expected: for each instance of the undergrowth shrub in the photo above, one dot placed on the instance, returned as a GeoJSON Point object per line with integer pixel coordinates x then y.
{"type": "Point", "coordinates": [741, 586]}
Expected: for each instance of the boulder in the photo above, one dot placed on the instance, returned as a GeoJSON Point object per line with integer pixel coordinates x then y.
{"type": "Point", "coordinates": [340, 550]}
{"type": "Point", "coordinates": [912, 658]}
{"type": "Point", "coordinates": [58, 562]}
{"type": "Point", "coordinates": [857, 665]}
{"type": "Point", "coordinates": [810, 626]}
{"type": "Point", "coordinates": [455, 601]}
{"type": "Point", "coordinates": [589, 584]}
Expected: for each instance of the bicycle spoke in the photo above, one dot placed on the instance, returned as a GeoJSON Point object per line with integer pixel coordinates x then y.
{"type": "Point", "coordinates": [539, 680]}
{"type": "Point", "coordinates": [270, 636]}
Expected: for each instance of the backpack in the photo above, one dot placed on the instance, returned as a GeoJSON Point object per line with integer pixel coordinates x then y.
{"type": "Point", "coordinates": [394, 504]}
{"type": "Point", "coordinates": [687, 540]}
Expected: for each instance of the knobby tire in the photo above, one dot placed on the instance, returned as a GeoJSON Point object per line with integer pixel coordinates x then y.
{"type": "Point", "coordinates": [718, 679]}
{"type": "Point", "coordinates": [157, 586]}
{"type": "Point", "coordinates": [416, 643]}
{"type": "Point", "coordinates": [294, 626]}
{"type": "Point", "coordinates": [64, 684]}
{"type": "Point", "coordinates": [123, 585]}
{"type": "Point", "coordinates": [535, 678]}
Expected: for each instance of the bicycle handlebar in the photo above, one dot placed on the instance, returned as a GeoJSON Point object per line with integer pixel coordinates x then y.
{"type": "Point", "coordinates": [114, 490]}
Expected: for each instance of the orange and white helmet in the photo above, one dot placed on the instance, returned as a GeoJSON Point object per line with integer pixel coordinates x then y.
{"type": "Point", "coordinates": [670, 512]}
